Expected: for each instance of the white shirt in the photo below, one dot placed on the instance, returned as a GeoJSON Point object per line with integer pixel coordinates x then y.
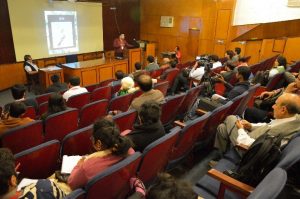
{"type": "Point", "coordinates": [244, 138]}
{"type": "Point", "coordinates": [75, 90]}
{"type": "Point", "coordinates": [28, 68]}
{"type": "Point", "coordinates": [217, 64]}
{"type": "Point", "coordinates": [197, 74]}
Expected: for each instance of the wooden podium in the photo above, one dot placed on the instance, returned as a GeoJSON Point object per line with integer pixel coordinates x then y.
{"type": "Point", "coordinates": [46, 73]}
{"type": "Point", "coordinates": [134, 55]}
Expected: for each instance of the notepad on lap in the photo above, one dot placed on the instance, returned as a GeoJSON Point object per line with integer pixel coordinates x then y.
{"type": "Point", "coordinates": [69, 162]}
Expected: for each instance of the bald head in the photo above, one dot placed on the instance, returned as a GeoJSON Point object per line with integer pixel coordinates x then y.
{"type": "Point", "coordinates": [287, 105]}
{"type": "Point", "coordinates": [145, 82]}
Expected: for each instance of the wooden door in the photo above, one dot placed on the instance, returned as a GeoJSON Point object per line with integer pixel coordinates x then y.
{"type": "Point", "coordinates": [193, 43]}
{"type": "Point", "coordinates": [253, 49]}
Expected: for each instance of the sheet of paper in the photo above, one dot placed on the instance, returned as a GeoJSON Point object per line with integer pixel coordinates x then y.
{"type": "Point", "coordinates": [25, 182]}
{"type": "Point", "coordinates": [69, 162]}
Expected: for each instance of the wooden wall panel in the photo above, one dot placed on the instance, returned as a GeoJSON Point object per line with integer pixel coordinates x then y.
{"type": "Point", "coordinates": [291, 51]}
{"type": "Point", "coordinates": [253, 49]}
{"type": "Point", "coordinates": [223, 24]}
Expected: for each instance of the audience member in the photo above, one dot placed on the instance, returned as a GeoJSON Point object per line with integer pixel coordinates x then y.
{"type": "Point", "coordinates": [145, 84]}
{"type": "Point", "coordinates": [181, 82]}
{"type": "Point", "coordinates": [165, 73]}
{"type": "Point", "coordinates": [138, 71]}
{"type": "Point", "coordinates": [127, 86]}
{"type": "Point", "coordinates": [110, 148]}
{"type": "Point", "coordinates": [152, 65]}
{"type": "Point", "coordinates": [242, 62]}
{"type": "Point", "coordinates": [235, 131]}
{"type": "Point", "coordinates": [8, 182]}
{"type": "Point", "coordinates": [279, 66]}
{"type": "Point", "coordinates": [56, 85]}
{"type": "Point", "coordinates": [165, 63]}
{"type": "Point", "coordinates": [16, 111]}
{"type": "Point", "coordinates": [215, 60]}
{"type": "Point", "coordinates": [74, 88]}
{"type": "Point", "coordinates": [178, 54]}
{"type": "Point", "coordinates": [229, 71]}
{"type": "Point", "coordinates": [119, 75]}
{"type": "Point", "coordinates": [56, 104]}
{"type": "Point", "coordinates": [237, 55]}
{"type": "Point", "coordinates": [229, 54]}
{"type": "Point", "coordinates": [197, 73]}
{"type": "Point", "coordinates": [149, 127]}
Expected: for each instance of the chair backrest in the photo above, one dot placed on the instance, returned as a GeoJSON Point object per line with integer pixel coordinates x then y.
{"type": "Point", "coordinates": [121, 103]}
{"type": "Point", "coordinates": [236, 102]}
{"type": "Point", "coordinates": [223, 60]}
{"type": "Point", "coordinates": [43, 108]}
{"type": "Point", "coordinates": [113, 183]}
{"type": "Point", "coordinates": [170, 108]}
{"type": "Point", "coordinates": [115, 88]}
{"type": "Point", "coordinates": [58, 125]}
{"type": "Point", "coordinates": [155, 156]}
{"type": "Point", "coordinates": [137, 94]}
{"type": "Point", "coordinates": [78, 101]}
{"type": "Point", "coordinates": [188, 137]}
{"type": "Point", "coordinates": [162, 86]}
{"type": "Point", "coordinates": [290, 154]}
{"type": "Point", "coordinates": [105, 82]}
{"type": "Point", "coordinates": [23, 137]}
{"type": "Point", "coordinates": [156, 73]}
{"type": "Point", "coordinates": [91, 87]}
{"type": "Point", "coordinates": [125, 120]}
{"type": "Point", "coordinates": [294, 68]}
{"type": "Point", "coordinates": [30, 112]}
{"type": "Point", "coordinates": [172, 74]}
{"type": "Point", "coordinates": [274, 82]}
{"type": "Point", "coordinates": [256, 67]}
{"type": "Point", "coordinates": [78, 142]}
{"type": "Point", "coordinates": [243, 105]}
{"type": "Point", "coordinates": [189, 100]}
{"type": "Point", "coordinates": [101, 93]}
{"type": "Point", "coordinates": [76, 194]}
{"type": "Point", "coordinates": [271, 186]}
{"type": "Point", "coordinates": [39, 162]}
{"type": "Point", "coordinates": [89, 113]}
{"type": "Point", "coordinates": [269, 62]}
{"type": "Point", "coordinates": [43, 98]}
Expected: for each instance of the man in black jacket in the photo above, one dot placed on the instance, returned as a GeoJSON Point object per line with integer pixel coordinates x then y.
{"type": "Point", "coordinates": [56, 85]}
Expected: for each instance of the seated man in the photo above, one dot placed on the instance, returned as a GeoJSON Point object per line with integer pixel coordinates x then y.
{"type": "Point", "coordinates": [165, 63]}
{"type": "Point", "coordinates": [235, 131]}
{"type": "Point", "coordinates": [74, 88]}
{"type": "Point", "coordinates": [197, 73]}
{"type": "Point", "coordinates": [16, 111]}
{"type": "Point", "coordinates": [138, 71]}
{"type": "Point", "coordinates": [215, 60]}
{"type": "Point", "coordinates": [56, 85]}
{"type": "Point", "coordinates": [145, 84]}
{"type": "Point", "coordinates": [181, 82]}
{"type": "Point", "coordinates": [18, 92]}
{"type": "Point", "coordinates": [152, 64]}
{"type": "Point", "coordinates": [149, 127]}
{"type": "Point", "coordinates": [165, 73]}
{"type": "Point", "coordinates": [119, 75]}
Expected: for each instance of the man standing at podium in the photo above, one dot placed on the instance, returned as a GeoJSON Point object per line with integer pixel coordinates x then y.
{"type": "Point", "coordinates": [121, 45]}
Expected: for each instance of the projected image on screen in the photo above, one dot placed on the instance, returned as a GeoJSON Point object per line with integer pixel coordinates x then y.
{"type": "Point", "coordinates": [61, 29]}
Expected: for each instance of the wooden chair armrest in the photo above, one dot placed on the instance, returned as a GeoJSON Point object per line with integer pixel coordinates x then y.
{"type": "Point", "coordinates": [179, 123]}
{"type": "Point", "coordinates": [200, 111]}
{"type": "Point", "coordinates": [231, 182]}
{"type": "Point", "coordinates": [242, 147]}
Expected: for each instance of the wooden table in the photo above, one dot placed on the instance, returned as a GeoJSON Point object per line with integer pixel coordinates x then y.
{"type": "Point", "coordinates": [46, 73]}
{"type": "Point", "coordinates": [94, 71]}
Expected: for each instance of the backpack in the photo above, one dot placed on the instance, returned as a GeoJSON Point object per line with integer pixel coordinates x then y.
{"type": "Point", "coordinates": [259, 160]}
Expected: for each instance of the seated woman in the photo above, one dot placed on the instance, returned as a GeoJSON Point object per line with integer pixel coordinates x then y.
{"type": "Point", "coordinates": [279, 66]}
{"type": "Point", "coordinates": [127, 86]}
{"type": "Point", "coordinates": [56, 104]}
{"type": "Point", "coordinates": [110, 148]}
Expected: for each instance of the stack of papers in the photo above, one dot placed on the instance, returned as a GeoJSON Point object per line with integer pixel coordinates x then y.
{"type": "Point", "coordinates": [69, 162]}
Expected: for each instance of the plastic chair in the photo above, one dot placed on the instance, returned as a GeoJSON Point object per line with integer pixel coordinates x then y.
{"type": "Point", "coordinates": [23, 137]}
{"type": "Point", "coordinates": [39, 162]}
{"type": "Point", "coordinates": [58, 125]}
{"type": "Point", "coordinates": [89, 113]}
{"type": "Point", "coordinates": [78, 101]}
{"type": "Point", "coordinates": [125, 120]}
{"type": "Point", "coordinates": [101, 93]}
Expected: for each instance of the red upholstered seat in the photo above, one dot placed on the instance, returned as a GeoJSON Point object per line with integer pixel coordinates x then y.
{"type": "Point", "coordinates": [125, 120]}
{"type": "Point", "coordinates": [43, 98]}
{"type": "Point", "coordinates": [121, 103]}
{"type": "Point", "coordinates": [101, 93]}
{"type": "Point", "coordinates": [162, 86]}
{"type": "Point", "coordinates": [43, 108]}
{"type": "Point", "coordinates": [30, 112]}
{"type": "Point", "coordinates": [91, 112]}
{"type": "Point", "coordinates": [156, 73]}
{"type": "Point", "coordinates": [23, 137]}
{"type": "Point", "coordinates": [106, 82]}
{"type": "Point", "coordinates": [115, 88]}
{"type": "Point", "coordinates": [39, 162]}
{"type": "Point", "coordinates": [171, 75]}
{"type": "Point", "coordinates": [78, 101]}
{"type": "Point", "coordinates": [91, 87]}
{"type": "Point", "coordinates": [58, 125]}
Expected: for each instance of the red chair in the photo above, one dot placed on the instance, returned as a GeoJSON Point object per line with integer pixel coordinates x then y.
{"type": "Point", "coordinates": [274, 82]}
{"type": "Point", "coordinates": [137, 94]}
{"type": "Point", "coordinates": [76, 194]}
{"type": "Point", "coordinates": [236, 103]}
{"type": "Point", "coordinates": [156, 73]}
{"type": "Point", "coordinates": [256, 67]}
{"type": "Point", "coordinates": [121, 103]}
{"type": "Point", "coordinates": [78, 142]}
{"type": "Point", "coordinates": [78, 101]}
{"type": "Point", "coordinates": [125, 120]}
{"type": "Point", "coordinates": [43, 108]}
{"type": "Point", "coordinates": [23, 137]}
{"type": "Point", "coordinates": [91, 112]}
{"type": "Point", "coordinates": [172, 74]}
{"type": "Point", "coordinates": [101, 93]}
{"type": "Point", "coordinates": [113, 183]}
{"type": "Point", "coordinates": [170, 108]}
{"type": "Point", "coordinates": [92, 87]}
{"type": "Point", "coordinates": [39, 162]}
{"type": "Point", "coordinates": [243, 105]}
{"type": "Point", "coordinates": [106, 82]}
{"type": "Point", "coordinates": [187, 139]}
{"type": "Point", "coordinates": [156, 155]}
{"type": "Point", "coordinates": [223, 60]}
{"type": "Point", "coordinates": [30, 112]}
{"type": "Point", "coordinates": [162, 86]}
{"type": "Point", "coordinates": [294, 68]}
{"type": "Point", "coordinates": [43, 98]}
{"type": "Point", "coordinates": [268, 63]}
{"type": "Point", "coordinates": [115, 88]}
{"type": "Point", "coordinates": [58, 125]}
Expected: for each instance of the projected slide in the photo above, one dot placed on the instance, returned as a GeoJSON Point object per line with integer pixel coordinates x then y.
{"type": "Point", "coordinates": [61, 29]}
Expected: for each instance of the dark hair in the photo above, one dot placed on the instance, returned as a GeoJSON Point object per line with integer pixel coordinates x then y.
{"type": "Point", "coordinates": [75, 81]}
{"type": "Point", "coordinates": [56, 103]}
{"type": "Point", "coordinates": [137, 65]}
{"type": "Point", "coordinates": [214, 58]}
{"type": "Point", "coordinates": [243, 59]}
{"type": "Point", "coordinates": [245, 72]}
{"type": "Point", "coordinates": [173, 64]}
{"type": "Point", "coordinates": [7, 169]}
{"type": "Point", "coordinates": [230, 65]}
{"type": "Point", "coordinates": [282, 61]}
{"type": "Point", "coordinates": [166, 186]}
{"type": "Point", "coordinates": [237, 50]}
{"type": "Point", "coordinates": [119, 74]}
{"type": "Point", "coordinates": [107, 132]}
{"type": "Point", "coordinates": [16, 109]}
{"type": "Point", "coordinates": [150, 58]}
{"type": "Point", "coordinates": [144, 82]}
{"type": "Point", "coordinates": [18, 91]}
{"type": "Point", "coordinates": [27, 57]}
{"type": "Point", "coordinates": [230, 53]}
{"type": "Point", "coordinates": [150, 112]}
{"type": "Point", "coordinates": [54, 78]}
{"type": "Point", "coordinates": [292, 107]}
